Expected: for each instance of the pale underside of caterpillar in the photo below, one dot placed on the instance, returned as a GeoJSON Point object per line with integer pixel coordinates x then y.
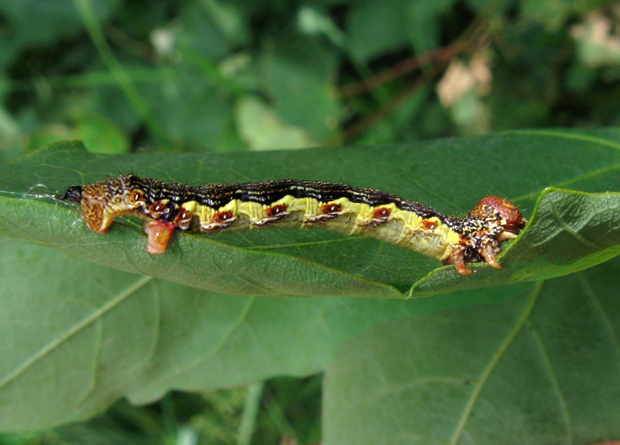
{"type": "Point", "coordinates": [288, 203]}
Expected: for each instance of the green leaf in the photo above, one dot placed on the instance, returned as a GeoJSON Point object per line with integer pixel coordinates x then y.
{"type": "Point", "coordinates": [92, 334]}
{"type": "Point", "coordinates": [37, 23]}
{"type": "Point", "coordinates": [190, 108]}
{"type": "Point", "coordinates": [569, 231]}
{"type": "Point", "coordinates": [543, 368]}
{"type": "Point", "coordinates": [375, 27]}
{"type": "Point", "coordinates": [261, 128]}
{"type": "Point", "coordinates": [101, 135]}
{"type": "Point", "coordinates": [552, 15]}
{"type": "Point", "coordinates": [424, 23]}
{"type": "Point", "coordinates": [298, 75]}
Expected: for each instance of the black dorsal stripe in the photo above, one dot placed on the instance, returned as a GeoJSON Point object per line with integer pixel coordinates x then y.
{"type": "Point", "coordinates": [268, 192]}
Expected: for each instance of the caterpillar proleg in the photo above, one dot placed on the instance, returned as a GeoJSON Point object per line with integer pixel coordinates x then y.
{"type": "Point", "coordinates": [165, 207]}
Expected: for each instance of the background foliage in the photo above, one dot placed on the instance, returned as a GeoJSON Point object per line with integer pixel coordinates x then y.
{"type": "Point", "coordinates": [219, 76]}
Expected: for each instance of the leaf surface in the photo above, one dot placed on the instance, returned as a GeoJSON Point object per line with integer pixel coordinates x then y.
{"type": "Point", "coordinates": [542, 368]}
{"type": "Point", "coordinates": [93, 334]}
{"type": "Point", "coordinates": [569, 231]}
{"type": "Point", "coordinates": [84, 335]}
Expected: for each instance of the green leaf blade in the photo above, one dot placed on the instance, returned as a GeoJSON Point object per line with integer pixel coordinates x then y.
{"type": "Point", "coordinates": [93, 334]}
{"type": "Point", "coordinates": [541, 368]}
{"type": "Point", "coordinates": [441, 174]}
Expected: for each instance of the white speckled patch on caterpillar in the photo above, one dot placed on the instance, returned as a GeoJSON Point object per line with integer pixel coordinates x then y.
{"type": "Point", "coordinates": [300, 204]}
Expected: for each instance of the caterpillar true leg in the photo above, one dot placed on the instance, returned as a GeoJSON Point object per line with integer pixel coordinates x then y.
{"type": "Point", "coordinates": [166, 207]}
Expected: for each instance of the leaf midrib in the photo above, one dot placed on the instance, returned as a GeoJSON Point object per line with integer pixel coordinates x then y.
{"type": "Point", "coordinates": [495, 359]}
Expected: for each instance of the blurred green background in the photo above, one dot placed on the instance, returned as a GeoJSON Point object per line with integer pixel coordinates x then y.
{"type": "Point", "coordinates": [209, 75]}
{"type": "Point", "coordinates": [215, 75]}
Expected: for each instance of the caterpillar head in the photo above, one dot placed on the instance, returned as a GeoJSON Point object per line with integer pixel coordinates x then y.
{"type": "Point", "coordinates": [104, 201]}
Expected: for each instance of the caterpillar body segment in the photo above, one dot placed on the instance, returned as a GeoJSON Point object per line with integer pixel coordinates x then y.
{"type": "Point", "coordinates": [166, 207]}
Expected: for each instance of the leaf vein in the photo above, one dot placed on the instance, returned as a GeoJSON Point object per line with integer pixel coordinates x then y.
{"type": "Point", "coordinates": [546, 361]}
{"type": "Point", "coordinates": [70, 333]}
{"type": "Point", "coordinates": [495, 359]}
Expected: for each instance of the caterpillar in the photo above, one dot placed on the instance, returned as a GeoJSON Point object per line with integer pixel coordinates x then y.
{"type": "Point", "coordinates": [165, 207]}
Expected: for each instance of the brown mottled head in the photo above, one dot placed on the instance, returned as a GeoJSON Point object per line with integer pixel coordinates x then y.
{"type": "Point", "coordinates": [104, 201]}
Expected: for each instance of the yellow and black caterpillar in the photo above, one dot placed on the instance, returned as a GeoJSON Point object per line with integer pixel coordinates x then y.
{"type": "Point", "coordinates": [300, 204]}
